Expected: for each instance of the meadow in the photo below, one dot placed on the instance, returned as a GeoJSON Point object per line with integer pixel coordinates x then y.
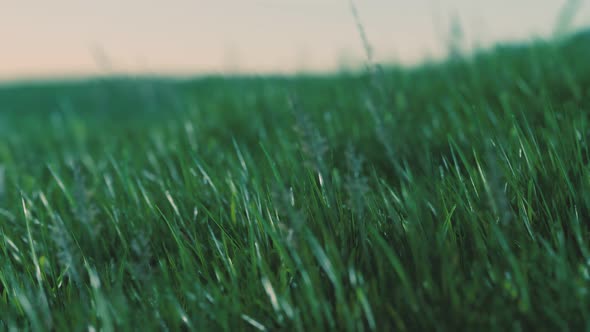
{"type": "Point", "coordinates": [449, 196]}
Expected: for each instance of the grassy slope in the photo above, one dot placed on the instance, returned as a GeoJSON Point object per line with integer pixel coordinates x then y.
{"type": "Point", "coordinates": [245, 203]}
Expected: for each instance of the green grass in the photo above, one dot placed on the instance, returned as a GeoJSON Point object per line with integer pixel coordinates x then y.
{"type": "Point", "coordinates": [453, 196]}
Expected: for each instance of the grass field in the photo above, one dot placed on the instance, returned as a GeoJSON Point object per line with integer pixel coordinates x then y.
{"type": "Point", "coordinates": [452, 196]}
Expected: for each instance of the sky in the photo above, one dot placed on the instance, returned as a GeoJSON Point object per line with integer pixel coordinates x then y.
{"type": "Point", "coordinates": [184, 37]}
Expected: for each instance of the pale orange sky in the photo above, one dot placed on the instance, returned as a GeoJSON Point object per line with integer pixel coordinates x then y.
{"type": "Point", "coordinates": [77, 37]}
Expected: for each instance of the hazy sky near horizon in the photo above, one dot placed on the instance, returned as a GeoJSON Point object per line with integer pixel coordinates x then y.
{"type": "Point", "coordinates": [73, 37]}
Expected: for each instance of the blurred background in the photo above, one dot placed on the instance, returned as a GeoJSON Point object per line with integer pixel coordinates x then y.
{"type": "Point", "coordinates": [64, 38]}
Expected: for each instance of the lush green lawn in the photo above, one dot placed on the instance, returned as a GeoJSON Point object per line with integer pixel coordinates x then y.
{"type": "Point", "coordinates": [450, 196]}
